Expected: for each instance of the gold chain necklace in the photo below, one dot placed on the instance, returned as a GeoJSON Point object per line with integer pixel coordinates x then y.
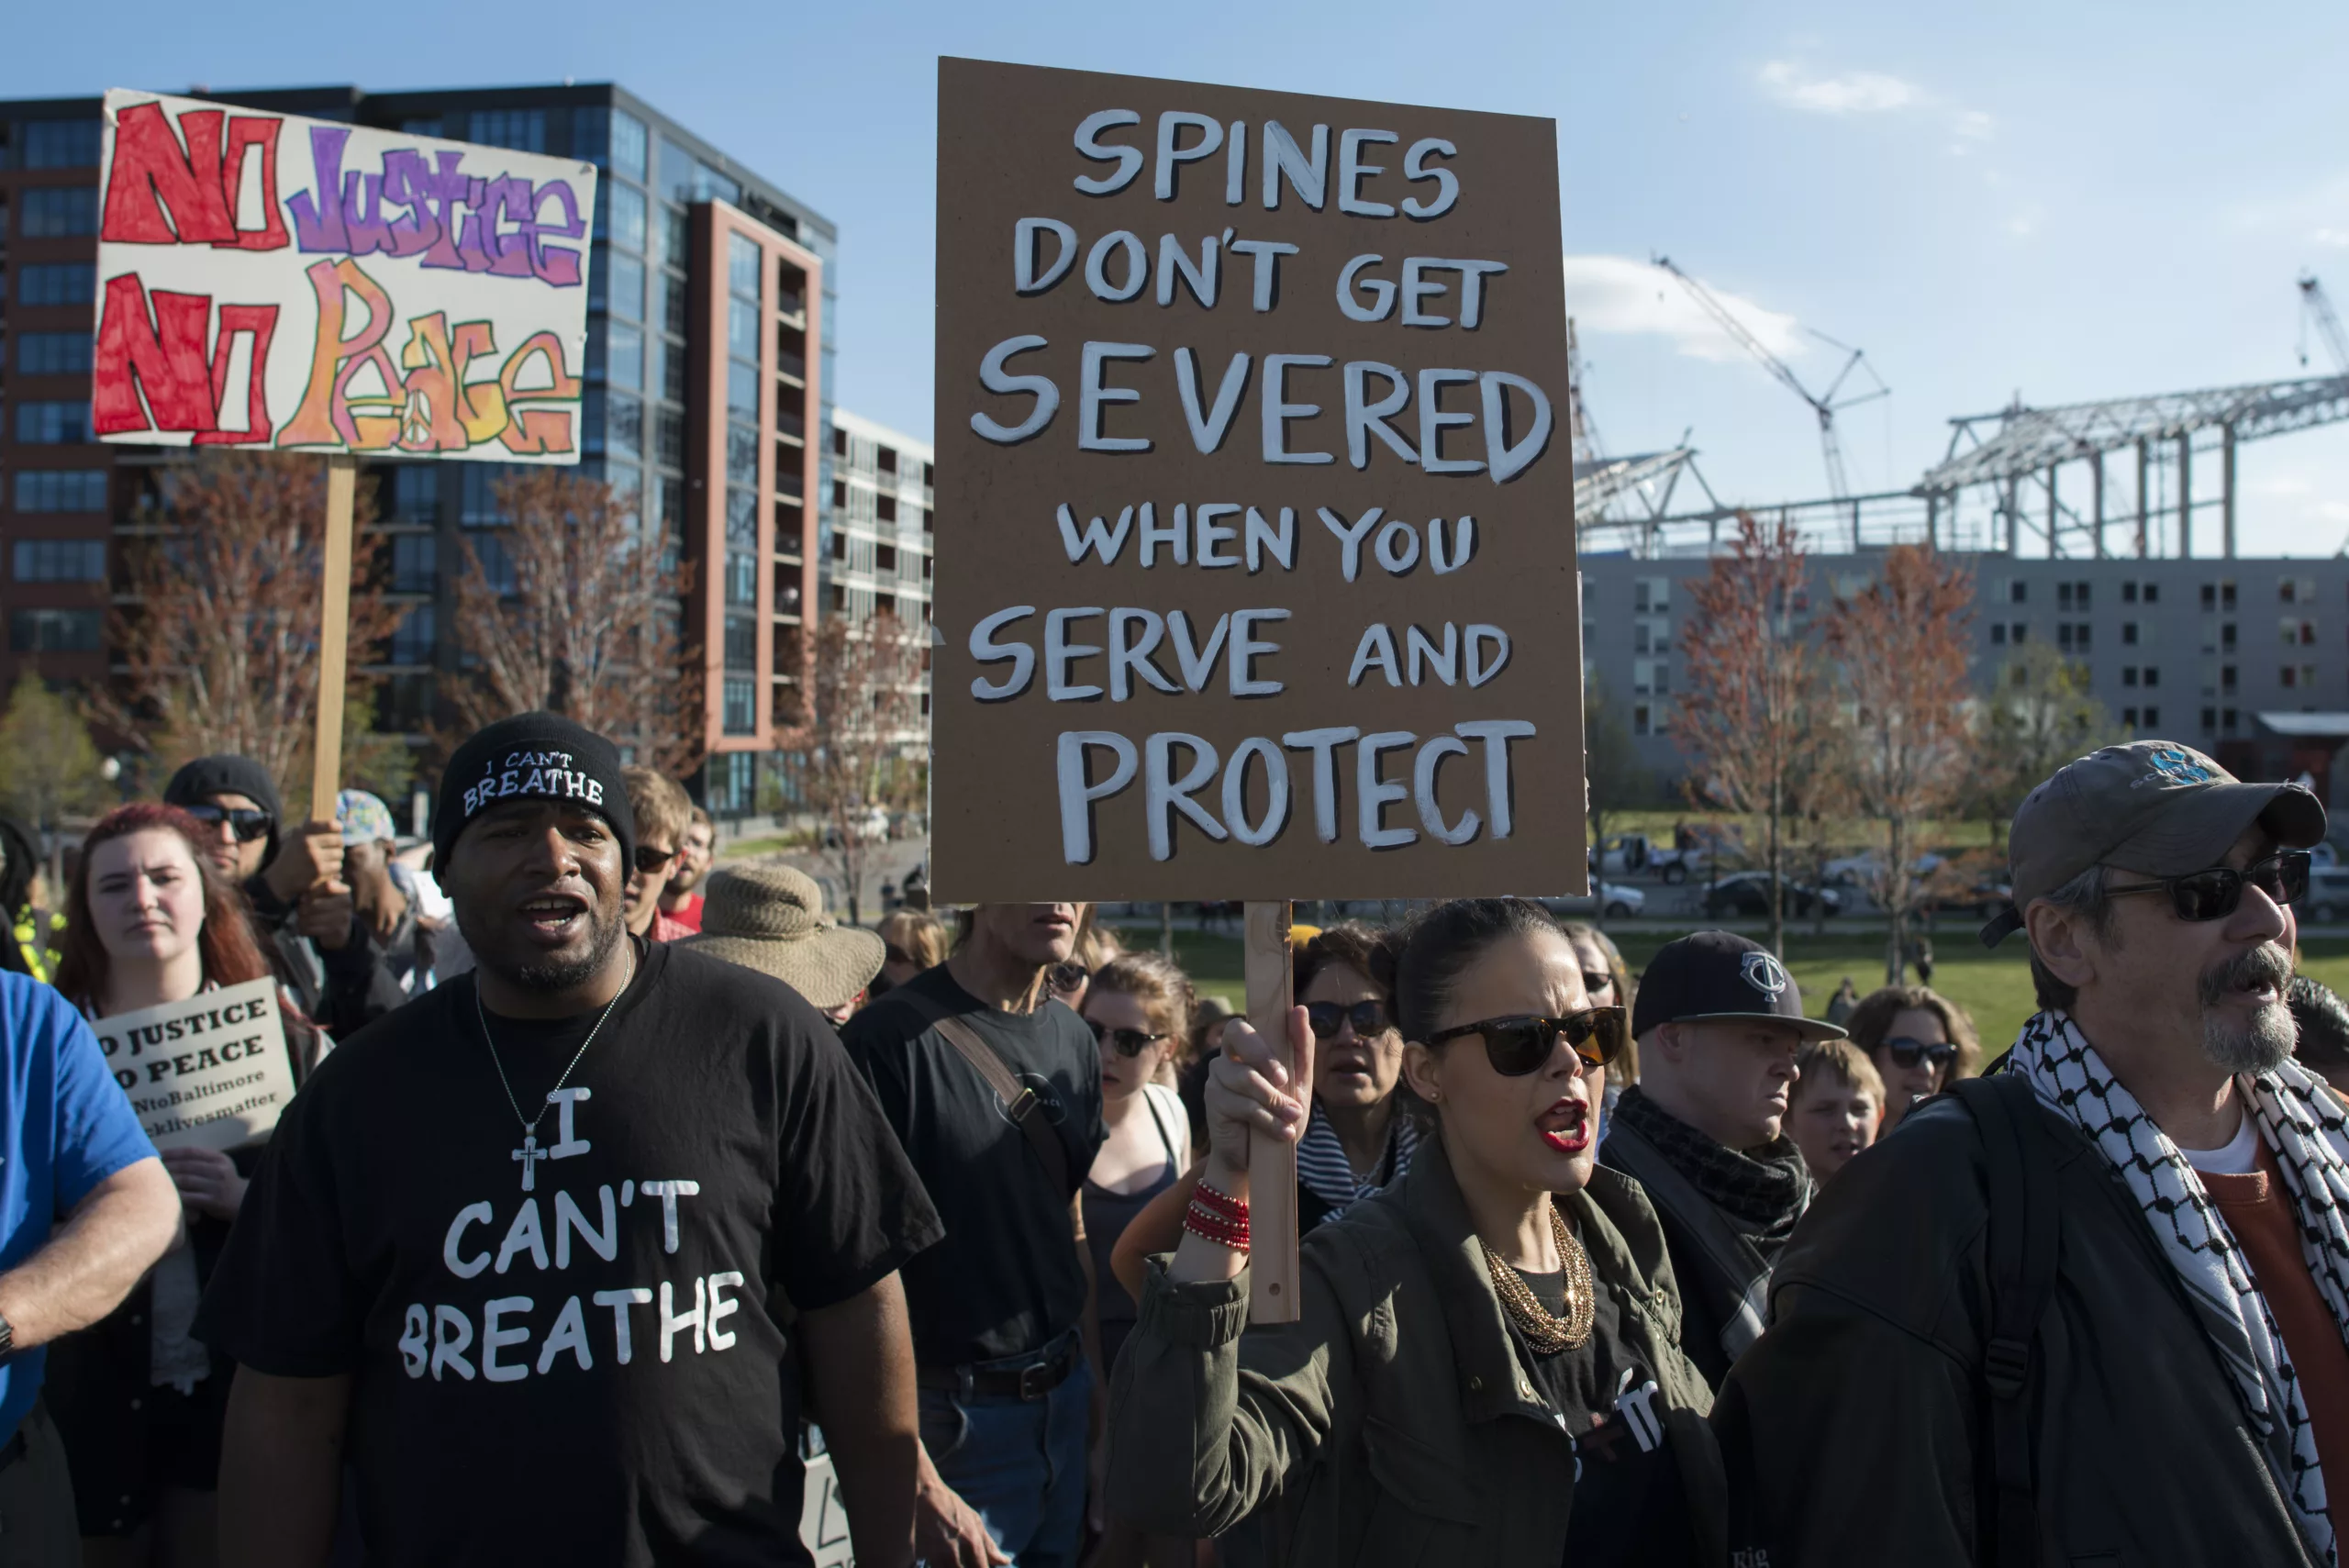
{"type": "Point", "coordinates": [1544, 1333]}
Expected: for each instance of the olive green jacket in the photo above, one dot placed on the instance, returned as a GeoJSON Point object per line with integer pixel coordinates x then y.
{"type": "Point", "coordinates": [1394, 1423]}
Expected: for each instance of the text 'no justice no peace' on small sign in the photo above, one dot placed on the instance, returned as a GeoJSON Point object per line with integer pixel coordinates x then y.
{"type": "Point", "coordinates": [1256, 514]}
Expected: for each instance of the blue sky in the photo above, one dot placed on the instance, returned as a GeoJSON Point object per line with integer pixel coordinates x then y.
{"type": "Point", "coordinates": [2070, 200]}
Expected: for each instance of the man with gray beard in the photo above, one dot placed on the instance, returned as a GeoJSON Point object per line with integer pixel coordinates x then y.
{"type": "Point", "coordinates": [2096, 1312]}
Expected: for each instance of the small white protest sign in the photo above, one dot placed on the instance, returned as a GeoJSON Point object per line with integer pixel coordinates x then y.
{"type": "Point", "coordinates": [209, 1073]}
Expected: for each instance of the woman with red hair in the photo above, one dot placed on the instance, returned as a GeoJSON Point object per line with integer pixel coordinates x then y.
{"type": "Point", "coordinates": [139, 1400]}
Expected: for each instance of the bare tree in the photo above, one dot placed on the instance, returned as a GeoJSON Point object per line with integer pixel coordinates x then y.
{"type": "Point", "coordinates": [1901, 643]}
{"type": "Point", "coordinates": [2040, 714]}
{"type": "Point", "coordinates": [217, 646]}
{"type": "Point", "coordinates": [1752, 704]}
{"type": "Point", "coordinates": [570, 607]}
{"type": "Point", "coordinates": [861, 750]}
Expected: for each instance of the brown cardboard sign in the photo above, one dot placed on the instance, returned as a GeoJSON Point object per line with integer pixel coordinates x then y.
{"type": "Point", "coordinates": [1255, 516]}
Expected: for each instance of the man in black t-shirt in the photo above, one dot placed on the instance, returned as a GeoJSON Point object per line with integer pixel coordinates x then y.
{"type": "Point", "coordinates": [1002, 1309]}
{"type": "Point", "coordinates": [541, 1254]}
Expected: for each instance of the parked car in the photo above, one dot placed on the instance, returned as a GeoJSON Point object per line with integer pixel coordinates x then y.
{"type": "Point", "coordinates": [1619, 902]}
{"type": "Point", "coordinates": [1862, 870]}
{"type": "Point", "coordinates": [2328, 895]}
{"type": "Point", "coordinates": [1636, 854]}
{"type": "Point", "coordinates": [1748, 893]}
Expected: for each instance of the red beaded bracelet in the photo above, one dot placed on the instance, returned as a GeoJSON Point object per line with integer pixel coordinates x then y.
{"type": "Point", "coordinates": [1220, 1203]}
{"type": "Point", "coordinates": [1219, 1228]}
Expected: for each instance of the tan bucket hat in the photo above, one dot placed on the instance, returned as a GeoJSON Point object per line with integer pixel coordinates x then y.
{"type": "Point", "coordinates": [772, 918]}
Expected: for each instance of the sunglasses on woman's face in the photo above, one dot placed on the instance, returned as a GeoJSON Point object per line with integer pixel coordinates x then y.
{"type": "Point", "coordinates": [649, 859]}
{"type": "Point", "coordinates": [1368, 1016]}
{"type": "Point", "coordinates": [1066, 976]}
{"type": "Point", "coordinates": [1522, 1044]}
{"type": "Point", "coordinates": [1907, 1054]}
{"type": "Point", "coordinates": [2216, 893]}
{"type": "Point", "coordinates": [1130, 1042]}
{"type": "Point", "coordinates": [248, 822]}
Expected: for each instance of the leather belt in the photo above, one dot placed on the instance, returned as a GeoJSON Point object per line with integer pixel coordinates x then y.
{"type": "Point", "coordinates": [997, 1380]}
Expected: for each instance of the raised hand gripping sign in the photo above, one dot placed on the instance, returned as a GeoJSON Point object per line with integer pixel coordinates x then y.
{"type": "Point", "coordinates": [1255, 529]}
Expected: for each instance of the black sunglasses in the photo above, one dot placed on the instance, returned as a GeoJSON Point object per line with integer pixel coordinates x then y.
{"type": "Point", "coordinates": [1906, 1052]}
{"type": "Point", "coordinates": [248, 822]}
{"type": "Point", "coordinates": [1067, 976]}
{"type": "Point", "coordinates": [2216, 893]}
{"type": "Point", "coordinates": [649, 859]}
{"type": "Point", "coordinates": [1522, 1044]}
{"type": "Point", "coordinates": [1130, 1042]}
{"type": "Point", "coordinates": [1368, 1016]}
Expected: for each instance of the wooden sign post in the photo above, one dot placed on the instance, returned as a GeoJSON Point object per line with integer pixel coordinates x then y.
{"type": "Point", "coordinates": [1254, 529]}
{"type": "Point", "coordinates": [334, 635]}
{"type": "Point", "coordinates": [1272, 1167]}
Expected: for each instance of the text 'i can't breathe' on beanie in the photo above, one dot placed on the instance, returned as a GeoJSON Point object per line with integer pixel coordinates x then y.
{"type": "Point", "coordinates": [532, 756]}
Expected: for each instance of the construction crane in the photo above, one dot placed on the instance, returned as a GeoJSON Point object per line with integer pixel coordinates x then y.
{"type": "Point", "coordinates": [1824, 404]}
{"type": "Point", "coordinates": [2316, 309]}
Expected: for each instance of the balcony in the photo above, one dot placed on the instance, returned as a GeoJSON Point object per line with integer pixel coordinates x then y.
{"type": "Point", "coordinates": [791, 426]}
{"type": "Point", "coordinates": [790, 484]}
{"type": "Point", "coordinates": [791, 367]}
{"type": "Point", "coordinates": [791, 305]}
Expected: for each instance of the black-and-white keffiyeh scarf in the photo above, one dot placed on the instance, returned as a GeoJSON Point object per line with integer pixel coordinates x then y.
{"type": "Point", "coordinates": [2309, 1136]}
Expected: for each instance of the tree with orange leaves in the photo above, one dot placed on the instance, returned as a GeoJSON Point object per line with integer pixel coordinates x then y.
{"type": "Point", "coordinates": [1754, 702]}
{"type": "Point", "coordinates": [1901, 644]}
{"type": "Point", "coordinates": [218, 638]}
{"type": "Point", "coordinates": [569, 607]}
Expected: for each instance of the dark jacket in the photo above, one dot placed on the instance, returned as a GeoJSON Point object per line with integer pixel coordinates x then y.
{"type": "Point", "coordinates": [1870, 1375]}
{"type": "Point", "coordinates": [1721, 1273]}
{"type": "Point", "coordinates": [342, 989]}
{"type": "Point", "coordinates": [1394, 1424]}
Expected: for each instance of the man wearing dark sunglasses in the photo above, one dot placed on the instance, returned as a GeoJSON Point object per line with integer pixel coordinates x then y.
{"type": "Point", "coordinates": [1718, 1021]}
{"type": "Point", "coordinates": [663, 812]}
{"type": "Point", "coordinates": [314, 935]}
{"type": "Point", "coordinates": [2109, 1284]}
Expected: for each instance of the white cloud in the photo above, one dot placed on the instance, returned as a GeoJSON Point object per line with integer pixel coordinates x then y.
{"type": "Point", "coordinates": [1973, 124]}
{"type": "Point", "coordinates": [2335, 239]}
{"type": "Point", "coordinates": [1853, 93]}
{"type": "Point", "coordinates": [1621, 294]}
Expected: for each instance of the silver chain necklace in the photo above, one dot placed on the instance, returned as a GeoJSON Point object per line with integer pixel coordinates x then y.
{"type": "Point", "coordinates": [529, 1154]}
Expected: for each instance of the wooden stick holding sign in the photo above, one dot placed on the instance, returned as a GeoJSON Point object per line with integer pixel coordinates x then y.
{"type": "Point", "coordinates": [334, 635]}
{"type": "Point", "coordinates": [1272, 1167]}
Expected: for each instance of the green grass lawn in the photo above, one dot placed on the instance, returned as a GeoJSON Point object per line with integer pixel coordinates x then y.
{"type": "Point", "coordinates": [1993, 987]}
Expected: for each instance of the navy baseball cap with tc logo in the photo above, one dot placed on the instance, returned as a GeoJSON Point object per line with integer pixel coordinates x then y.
{"type": "Point", "coordinates": [1709, 975]}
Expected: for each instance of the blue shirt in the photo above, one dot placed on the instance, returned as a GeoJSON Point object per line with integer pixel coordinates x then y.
{"type": "Point", "coordinates": [65, 1126]}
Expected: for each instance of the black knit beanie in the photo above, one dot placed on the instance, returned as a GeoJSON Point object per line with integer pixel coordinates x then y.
{"type": "Point", "coordinates": [228, 773]}
{"type": "Point", "coordinates": [532, 756]}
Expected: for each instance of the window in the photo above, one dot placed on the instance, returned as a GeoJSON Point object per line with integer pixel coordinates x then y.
{"type": "Point", "coordinates": [1648, 719]}
{"type": "Point", "coordinates": [839, 545]}
{"type": "Point", "coordinates": [61, 490]}
{"type": "Point", "coordinates": [2018, 591]}
{"type": "Point", "coordinates": [60, 560]}
{"type": "Point", "coordinates": [2129, 675]}
{"type": "Point", "coordinates": [2227, 721]}
{"type": "Point", "coordinates": [885, 508]}
{"type": "Point", "coordinates": [626, 205]}
{"type": "Point", "coordinates": [2226, 677]}
{"type": "Point", "coordinates": [839, 441]}
{"type": "Point", "coordinates": [1652, 593]}
{"type": "Point", "coordinates": [479, 508]}
{"type": "Point", "coordinates": [623, 425]}
{"type": "Point", "coordinates": [741, 642]}
{"type": "Point", "coordinates": [610, 138]}
{"type": "Point", "coordinates": [2129, 718]}
{"type": "Point", "coordinates": [2072, 637]}
{"type": "Point", "coordinates": [53, 424]}
{"type": "Point", "coordinates": [741, 390]}
{"type": "Point", "coordinates": [2296, 589]}
{"type": "Point", "coordinates": [413, 559]}
{"type": "Point", "coordinates": [2152, 718]}
{"type": "Point", "coordinates": [54, 631]}
{"type": "Point", "coordinates": [421, 125]}
{"type": "Point", "coordinates": [408, 704]}
{"type": "Point", "coordinates": [1650, 676]}
{"type": "Point", "coordinates": [1998, 634]}
{"type": "Point", "coordinates": [61, 144]}
{"type": "Point", "coordinates": [669, 445]}
{"type": "Point", "coordinates": [2226, 594]}
{"type": "Point", "coordinates": [2209, 720]}
{"type": "Point", "coordinates": [2308, 634]}
{"type": "Point", "coordinates": [741, 701]}
{"type": "Point", "coordinates": [1651, 634]}
{"type": "Point", "coordinates": [2018, 633]}
{"type": "Point", "coordinates": [414, 492]}
{"type": "Point", "coordinates": [671, 355]}
{"type": "Point", "coordinates": [624, 282]}
{"type": "Point", "coordinates": [624, 356]}
{"type": "Point", "coordinates": [523, 130]}
{"type": "Point", "coordinates": [2227, 634]}
{"type": "Point", "coordinates": [53, 353]}
{"type": "Point", "coordinates": [2209, 595]}
{"type": "Point", "coordinates": [741, 455]}
{"type": "Point", "coordinates": [2153, 675]}
{"type": "Point", "coordinates": [58, 282]}
{"type": "Point", "coordinates": [2129, 633]}
{"type": "Point", "coordinates": [2153, 593]}
{"type": "Point", "coordinates": [742, 581]}
{"type": "Point", "coordinates": [51, 213]}
{"type": "Point", "coordinates": [884, 558]}
{"type": "Point", "coordinates": [744, 259]}
{"type": "Point", "coordinates": [2128, 593]}
{"type": "Point", "coordinates": [412, 637]}
{"type": "Point", "coordinates": [743, 330]}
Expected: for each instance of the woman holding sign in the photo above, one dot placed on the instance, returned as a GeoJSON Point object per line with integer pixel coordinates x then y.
{"type": "Point", "coordinates": [140, 1400]}
{"type": "Point", "coordinates": [1487, 1369]}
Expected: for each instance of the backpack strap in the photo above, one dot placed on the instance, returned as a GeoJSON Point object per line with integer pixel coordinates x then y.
{"type": "Point", "coordinates": [1021, 1106]}
{"type": "Point", "coordinates": [2026, 1220]}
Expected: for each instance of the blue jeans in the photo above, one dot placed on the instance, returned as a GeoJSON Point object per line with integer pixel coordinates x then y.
{"type": "Point", "coordinates": [1021, 1462]}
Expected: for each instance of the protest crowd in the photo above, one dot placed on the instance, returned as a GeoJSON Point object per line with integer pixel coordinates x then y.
{"type": "Point", "coordinates": [613, 1189]}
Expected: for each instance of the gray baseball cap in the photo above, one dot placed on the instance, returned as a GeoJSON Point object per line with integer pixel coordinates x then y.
{"type": "Point", "coordinates": [2152, 807]}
